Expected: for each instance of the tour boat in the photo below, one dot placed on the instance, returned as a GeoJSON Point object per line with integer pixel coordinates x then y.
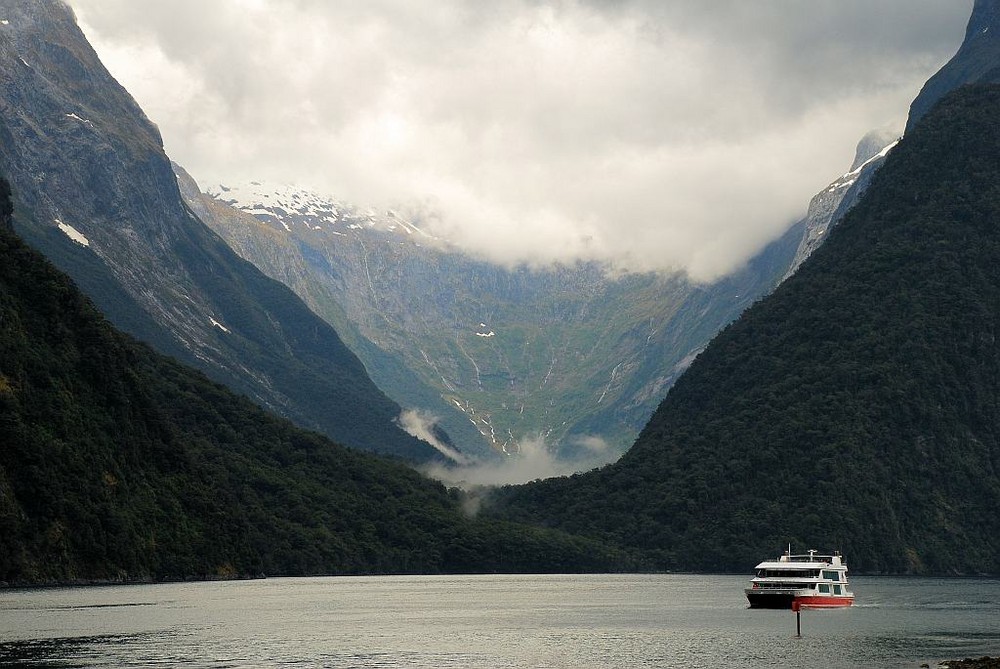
{"type": "Point", "coordinates": [794, 581]}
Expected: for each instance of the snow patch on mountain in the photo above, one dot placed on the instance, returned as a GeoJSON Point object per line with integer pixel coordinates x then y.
{"type": "Point", "coordinates": [75, 117]}
{"type": "Point", "coordinates": [72, 233]}
{"type": "Point", "coordinates": [288, 207]}
{"type": "Point", "coordinates": [219, 325]}
{"type": "Point", "coordinates": [878, 156]}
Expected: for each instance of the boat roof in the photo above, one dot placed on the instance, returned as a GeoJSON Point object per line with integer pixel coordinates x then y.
{"type": "Point", "coordinates": [810, 561]}
{"type": "Point", "coordinates": [776, 564]}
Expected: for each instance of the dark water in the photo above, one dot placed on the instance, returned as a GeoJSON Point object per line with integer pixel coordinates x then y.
{"type": "Point", "coordinates": [492, 621]}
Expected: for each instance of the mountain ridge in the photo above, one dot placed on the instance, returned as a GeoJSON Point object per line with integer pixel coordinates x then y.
{"type": "Point", "coordinates": [98, 196]}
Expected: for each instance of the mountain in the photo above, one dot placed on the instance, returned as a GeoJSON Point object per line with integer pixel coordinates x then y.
{"type": "Point", "coordinates": [572, 354]}
{"type": "Point", "coordinates": [976, 62]}
{"type": "Point", "coordinates": [854, 408]}
{"type": "Point", "coordinates": [576, 355]}
{"type": "Point", "coordinates": [829, 205]}
{"type": "Point", "coordinates": [283, 257]}
{"type": "Point", "coordinates": [97, 195]}
{"type": "Point", "coordinates": [120, 464]}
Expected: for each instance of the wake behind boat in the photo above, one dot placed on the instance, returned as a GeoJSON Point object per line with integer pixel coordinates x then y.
{"type": "Point", "coordinates": [811, 580]}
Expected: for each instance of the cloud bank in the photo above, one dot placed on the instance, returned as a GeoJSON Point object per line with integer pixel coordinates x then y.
{"type": "Point", "coordinates": [646, 134]}
{"type": "Point", "coordinates": [534, 460]}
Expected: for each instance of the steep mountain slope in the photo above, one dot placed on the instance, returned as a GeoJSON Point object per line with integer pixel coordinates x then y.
{"type": "Point", "coordinates": [118, 463]}
{"type": "Point", "coordinates": [829, 205]}
{"type": "Point", "coordinates": [98, 197]}
{"type": "Point", "coordinates": [977, 60]}
{"type": "Point", "coordinates": [857, 407]}
{"type": "Point", "coordinates": [282, 257]}
{"type": "Point", "coordinates": [570, 354]}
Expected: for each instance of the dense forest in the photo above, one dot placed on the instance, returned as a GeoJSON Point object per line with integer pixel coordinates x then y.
{"type": "Point", "coordinates": [856, 408]}
{"type": "Point", "coordinates": [117, 463]}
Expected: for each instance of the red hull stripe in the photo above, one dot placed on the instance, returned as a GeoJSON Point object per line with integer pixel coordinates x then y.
{"type": "Point", "coordinates": [824, 602]}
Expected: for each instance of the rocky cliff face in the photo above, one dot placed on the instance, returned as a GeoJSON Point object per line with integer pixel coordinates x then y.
{"type": "Point", "coordinates": [95, 192]}
{"type": "Point", "coordinates": [829, 205]}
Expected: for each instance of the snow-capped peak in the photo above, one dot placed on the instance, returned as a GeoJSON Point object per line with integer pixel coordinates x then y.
{"type": "Point", "coordinates": [295, 208]}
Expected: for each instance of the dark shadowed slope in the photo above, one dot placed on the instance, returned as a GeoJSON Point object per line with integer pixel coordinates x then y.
{"type": "Point", "coordinates": [98, 196]}
{"type": "Point", "coordinates": [858, 407]}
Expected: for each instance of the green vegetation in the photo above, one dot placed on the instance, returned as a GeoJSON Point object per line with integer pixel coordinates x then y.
{"type": "Point", "coordinates": [856, 408]}
{"type": "Point", "coordinates": [151, 267]}
{"type": "Point", "coordinates": [118, 463]}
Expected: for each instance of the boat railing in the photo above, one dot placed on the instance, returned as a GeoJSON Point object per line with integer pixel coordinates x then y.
{"type": "Point", "coordinates": [812, 557]}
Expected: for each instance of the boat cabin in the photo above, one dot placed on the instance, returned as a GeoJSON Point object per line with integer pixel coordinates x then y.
{"type": "Point", "coordinates": [813, 579]}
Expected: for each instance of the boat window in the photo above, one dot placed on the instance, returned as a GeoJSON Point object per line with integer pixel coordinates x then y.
{"type": "Point", "coordinates": [795, 573]}
{"type": "Point", "coordinates": [824, 587]}
{"type": "Point", "coordinates": [832, 575]}
{"type": "Point", "coordinates": [836, 589]}
{"type": "Point", "coordinates": [779, 585]}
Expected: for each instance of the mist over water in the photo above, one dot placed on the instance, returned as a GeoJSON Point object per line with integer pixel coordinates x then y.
{"type": "Point", "coordinates": [558, 622]}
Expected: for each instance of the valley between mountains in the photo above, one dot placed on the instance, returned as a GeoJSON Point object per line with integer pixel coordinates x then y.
{"type": "Point", "coordinates": [571, 359]}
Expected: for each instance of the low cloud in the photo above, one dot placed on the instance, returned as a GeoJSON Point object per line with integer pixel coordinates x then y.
{"type": "Point", "coordinates": [647, 135]}
{"type": "Point", "coordinates": [534, 460]}
{"type": "Point", "coordinates": [422, 426]}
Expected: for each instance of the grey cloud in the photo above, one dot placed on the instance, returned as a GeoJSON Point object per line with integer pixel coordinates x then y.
{"type": "Point", "coordinates": [651, 135]}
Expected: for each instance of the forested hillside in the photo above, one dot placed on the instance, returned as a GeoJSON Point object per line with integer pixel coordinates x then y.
{"type": "Point", "coordinates": [856, 408]}
{"type": "Point", "coordinates": [97, 195]}
{"type": "Point", "coordinates": [118, 463]}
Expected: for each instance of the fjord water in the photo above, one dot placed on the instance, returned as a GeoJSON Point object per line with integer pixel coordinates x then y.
{"type": "Point", "coordinates": [476, 622]}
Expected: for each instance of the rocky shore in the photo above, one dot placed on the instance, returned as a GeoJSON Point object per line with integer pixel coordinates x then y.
{"type": "Point", "coordinates": [969, 663]}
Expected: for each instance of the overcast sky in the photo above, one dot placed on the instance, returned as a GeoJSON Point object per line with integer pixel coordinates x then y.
{"type": "Point", "coordinates": [652, 134]}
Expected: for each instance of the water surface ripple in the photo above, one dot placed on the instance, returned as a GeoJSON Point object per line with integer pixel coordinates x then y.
{"type": "Point", "coordinates": [473, 622]}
